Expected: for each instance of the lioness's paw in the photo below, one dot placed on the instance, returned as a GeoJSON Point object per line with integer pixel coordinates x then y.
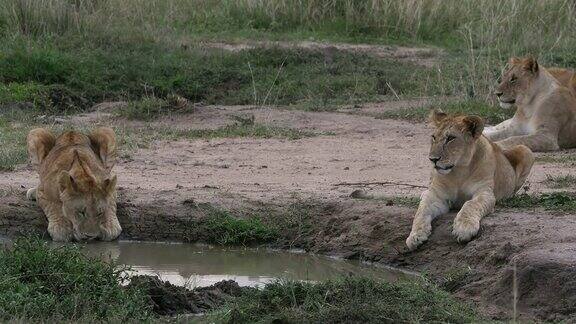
{"type": "Point", "coordinates": [416, 239]}
{"type": "Point", "coordinates": [465, 229]}
{"type": "Point", "coordinates": [31, 194]}
{"type": "Point", "coordinates": [110, 230]}
{"type": "Point", "coordinates": [60, 232]}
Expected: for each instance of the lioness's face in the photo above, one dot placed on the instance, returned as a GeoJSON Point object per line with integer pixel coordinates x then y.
{"type": "Point", "coordinates": [453, 140]}
{"type": "Point", "coordinates": [515, 80]}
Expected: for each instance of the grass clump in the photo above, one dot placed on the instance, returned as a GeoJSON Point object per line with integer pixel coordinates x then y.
{"type": "Point", "coordinates": [43, 283]}
{"type": "Point", "coordinates": [348, 300]}
{"type": "Point", "coordinates": [556, 201]}
{"type": "Point", "coordinates": [557, 158]}
{"type": "Point", "coordinates": [221, 227]}
{"type": "Point", "coordinates": [13, 149]}
{"type": "Point", "coordinates": [149, 108]}
{"type": "Point", "coordinates": [492, 115]}
{"type": "Point", "coordinates": [240, 130]}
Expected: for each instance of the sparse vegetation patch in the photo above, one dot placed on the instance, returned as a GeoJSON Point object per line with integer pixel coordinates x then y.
{"type": "Point", "coordinates": [492, 114]}
{"type": "Point", "coordinates": [556, 201]}
{"type": "Point", "coordinates": [350, 299]}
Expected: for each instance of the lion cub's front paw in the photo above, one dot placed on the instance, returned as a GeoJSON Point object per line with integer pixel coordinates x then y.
{"type": "Point", "coordinates": [465, 229]}
{"type": "Point", "coordinates": [416, 239]}
{"type": "Point", "coordinates": [60, 232]}
{"type": "Point", "coordinates": [110, 230]}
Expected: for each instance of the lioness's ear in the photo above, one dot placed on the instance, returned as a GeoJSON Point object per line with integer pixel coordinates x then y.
{"type": "Point", "coordinates": [66, 182]}
{"type": "Point", "coordinates": [436, 117]}
{"type": "Point", "coordinates": [110, 184]}
{"type": "Point", "coordinates": [530, 64]}
{"type": "Point", "coordinates": [103, 141]}
{"type": "Point", "coordinates": [474, 124]}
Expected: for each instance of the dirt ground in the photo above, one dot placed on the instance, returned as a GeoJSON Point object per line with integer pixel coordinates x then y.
{"type": "Point", "coordinates": [161, 185]}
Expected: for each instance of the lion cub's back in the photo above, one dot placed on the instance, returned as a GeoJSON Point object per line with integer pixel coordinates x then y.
{"type": "Point", "coordinates": [504, 175]}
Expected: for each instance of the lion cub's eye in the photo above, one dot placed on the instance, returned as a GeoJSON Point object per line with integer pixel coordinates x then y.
{"type": "Point", "coordinates": [450, 138]}
{"type": "Point", "coordinates": [433, 137]}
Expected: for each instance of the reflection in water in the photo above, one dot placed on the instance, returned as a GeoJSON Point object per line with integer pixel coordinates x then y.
{"type": "Point", "coordinates": [196, 265]}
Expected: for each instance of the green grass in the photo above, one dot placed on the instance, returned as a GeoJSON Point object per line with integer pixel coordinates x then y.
{"type": "Point", "coordinates": [74, 73]}
{"type": "Point", "coordinates": [39, 283]}
{"type": "Point", "coordinates": [13, 149]}
{"type": "Point", "coordinates": [559, 182]}
{"type": "Point", "coordinates": [347, 300]}
{"type": "Point", "coordinates": [221, 227]}
{"type": "Point", "coordinates": [557, 201]}
{"type": "Point", "coordinates": [492, 114]}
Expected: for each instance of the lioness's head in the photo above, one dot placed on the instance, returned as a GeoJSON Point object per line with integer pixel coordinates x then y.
{"type": "Point", "coordinates": [515, 80]}
{"type": "Point", "coordinates": [84, 195]}
{"type": "Point", "coordinates": [453, 140]}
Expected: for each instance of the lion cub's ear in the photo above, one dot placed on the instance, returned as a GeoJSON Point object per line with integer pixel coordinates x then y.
{"type": "Point", "coordinates": [474, 124]}
{"type": "Point", "coordinates": [436, 117]}
{"type": "Point", "coordinates": [530, 64]}
{"type": "Point", "coordinates": [39, 141]}
{"type": "Point", "coordinates": [103, 141]}
{"type": "Point", "coordinates": [109, 184]}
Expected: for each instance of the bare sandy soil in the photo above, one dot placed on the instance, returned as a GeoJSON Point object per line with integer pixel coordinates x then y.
{"type": "Point", "coordinates": [161, 186]}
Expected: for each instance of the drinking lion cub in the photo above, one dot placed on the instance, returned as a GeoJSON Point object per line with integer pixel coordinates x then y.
{"type": "Point", "coordinates": [470, 172]}
{"type": "Point", "coordinates": [76, 191]}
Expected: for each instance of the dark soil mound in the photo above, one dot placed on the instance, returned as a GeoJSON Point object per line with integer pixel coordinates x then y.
{"type": "Point", "coordinates": [542, 282]}
{"type": "Point", "coordinates": [168, 299]}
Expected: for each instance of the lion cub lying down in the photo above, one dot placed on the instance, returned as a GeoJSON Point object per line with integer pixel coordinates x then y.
{"type": "Point", "coordinates": [545, 100]}
{"type": "Point", "coordinates": [76, 191]}
{"type": "Point", "coordinates": [470, 172]}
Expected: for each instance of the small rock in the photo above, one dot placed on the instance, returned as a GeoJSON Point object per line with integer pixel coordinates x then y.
{"type": "Point", "coordinates": [359, 194]}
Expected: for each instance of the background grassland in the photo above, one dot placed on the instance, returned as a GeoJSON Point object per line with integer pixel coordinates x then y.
{"type": "Point", "coordinates": [75, 53]}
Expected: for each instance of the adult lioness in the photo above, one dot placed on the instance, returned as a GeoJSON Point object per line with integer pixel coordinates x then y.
{"type": "Point", "coordinates": [545, 118]}
{"type": "Point", "coordinates": [470, 172]}
{"type": "Point", "coordinates": [565, 77]}
{"type": "Point", "coordinates": [76, 191]}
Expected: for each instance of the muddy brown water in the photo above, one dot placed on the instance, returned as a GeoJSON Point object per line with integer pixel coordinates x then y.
{"type": "Point", "coordinates": [200, 265]}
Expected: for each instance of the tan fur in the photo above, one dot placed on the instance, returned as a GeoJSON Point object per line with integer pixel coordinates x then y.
{"type": "Point", "coordinates": [566, 77]}
{"type": "Point", "coordinates": [545, 118]}
{"type": "Point", "coordinates": [76, 191]}
{"type": "Point", "coordinates": [470, 173]}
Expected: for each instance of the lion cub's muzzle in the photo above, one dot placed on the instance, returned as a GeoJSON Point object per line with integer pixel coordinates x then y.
{"type": "Point", "coordinates": [442, 169]}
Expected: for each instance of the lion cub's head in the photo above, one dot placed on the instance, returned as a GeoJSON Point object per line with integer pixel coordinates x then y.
{"type": "Point", "coordinates": [516, 79]}
{"type": "Point", "coordinates": [453, 140]}
{"type": "Point", "coordinates": [86, 196]}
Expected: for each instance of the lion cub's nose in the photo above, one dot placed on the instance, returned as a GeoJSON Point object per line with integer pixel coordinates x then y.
{"type": "Point", "coordinates": [498, 93]}
{"type": "Point", "coordinates": [434, 159]}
